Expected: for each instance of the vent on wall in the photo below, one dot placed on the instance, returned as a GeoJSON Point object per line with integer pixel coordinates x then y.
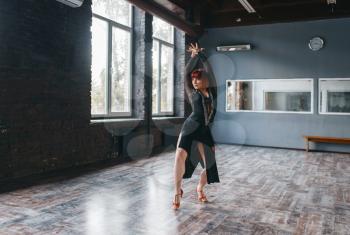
{"type": "Point", "coordinates": [243, 47]}
{"type": "Point", "coordinates": [72, 3]}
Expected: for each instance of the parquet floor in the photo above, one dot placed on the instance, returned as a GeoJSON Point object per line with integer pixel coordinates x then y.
{"type": "Point", "coordinates": [262, 191]}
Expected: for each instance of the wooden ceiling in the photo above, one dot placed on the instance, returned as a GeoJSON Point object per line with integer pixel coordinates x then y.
{"type": "Point", "coordinates": [201, 14]}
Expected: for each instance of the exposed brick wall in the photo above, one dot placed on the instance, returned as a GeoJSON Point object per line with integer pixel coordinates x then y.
{"type": "Point", "coordinates": [139, 63]}
{"type": "Point", "coordinates": [179, 72]}
{"type": "Point", "coordinates": [45, 84]}
{"type": "Point", "coordinates": [45, 88]}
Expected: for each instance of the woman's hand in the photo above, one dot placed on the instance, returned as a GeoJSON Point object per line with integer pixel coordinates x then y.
{"type": "Point", "coordinates": [213, 148]}
{"type": "Point", "coordinates": [194, 49]}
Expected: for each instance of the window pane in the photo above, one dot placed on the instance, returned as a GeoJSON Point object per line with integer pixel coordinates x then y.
{"type": "Point", "coordinates": [99, 67]}
{"type": "Point", "coordinates": [230, 95]}
{"type": "Point", "coordinates": [338, 102]}
{"type": "Point", "coordinates": [288, 101]}
{"type": "Point", "coordinates": [155, 82]}
{"type": "Point", "coordinates": [116, 10]}
{"type": "Point", "coordinates": [243, 95]}
{"type": "Point", "coordinates": [120, 71]}
{"type": "Point", "coordinates": [288, 95]}
{"type": "Point", "coordinates": [162, 30]}
{"type": "Point", "coordinates": [334, 96]}
{"type": "Point", "coordinates": [166, 80]}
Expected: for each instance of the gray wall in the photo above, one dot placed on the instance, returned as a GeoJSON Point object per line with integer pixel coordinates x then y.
{"type": "Point", "coordinates": [280, 51]}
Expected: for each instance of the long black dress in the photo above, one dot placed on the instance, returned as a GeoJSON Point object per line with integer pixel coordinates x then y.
{"type": "Point", "coordinates": [196, 129]}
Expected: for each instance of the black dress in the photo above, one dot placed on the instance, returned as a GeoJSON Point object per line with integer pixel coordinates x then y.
{"type": "Point", "coordinates": [196, 129]}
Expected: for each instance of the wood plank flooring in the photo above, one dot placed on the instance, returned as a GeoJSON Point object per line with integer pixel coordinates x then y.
{"type": "Point", "coordinates": [262, 191]}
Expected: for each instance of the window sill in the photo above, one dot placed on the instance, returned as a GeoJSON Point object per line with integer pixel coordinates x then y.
{"type": "Point", "coordinates": [116, 120]}
{"type": "Point", "coordinates": [167, 118]}
{"type": "Point", "coordinates": [118, 123]}
{"type": "Point", "coordinates": [167, 121]}
{"type": "Point", "coordinates": [133, 122]}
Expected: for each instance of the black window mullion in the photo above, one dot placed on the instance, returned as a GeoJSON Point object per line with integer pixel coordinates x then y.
{"type": "Point", "coordinates": [121, 26]}
{"type": "Point", "coordinates": [164, 42]}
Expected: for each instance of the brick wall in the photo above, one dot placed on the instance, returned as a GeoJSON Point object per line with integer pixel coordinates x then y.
{"type": "Point", "coordinates": [45, 88]}
{"type": "Point", "coordinates": [45, 83]}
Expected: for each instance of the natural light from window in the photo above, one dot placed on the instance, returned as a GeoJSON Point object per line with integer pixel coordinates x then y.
{"type": "Point", "coordinates": [163, 68]}
{"type": "Point", "coordinates": [111, 60]}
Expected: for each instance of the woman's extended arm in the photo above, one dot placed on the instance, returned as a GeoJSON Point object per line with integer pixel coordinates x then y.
{"type": "Point", "coordinates": [197, 58]}
{"type": "Point", "coordinates": [194, 49]}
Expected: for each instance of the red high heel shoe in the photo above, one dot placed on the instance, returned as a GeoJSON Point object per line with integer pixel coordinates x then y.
{"type": "Point", "coordinates": [201, 196]}
{"type": "Point", "coordinates": [176, 205]}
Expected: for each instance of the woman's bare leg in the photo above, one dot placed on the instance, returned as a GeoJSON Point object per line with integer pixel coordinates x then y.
{"type": "Point", "coordinates": [179, 168]}
{"type": "Point", "coordinates": [203, 175]}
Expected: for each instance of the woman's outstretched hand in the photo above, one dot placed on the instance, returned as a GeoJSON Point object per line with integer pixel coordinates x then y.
{"type": "Point", "coordinates": [194, 49]}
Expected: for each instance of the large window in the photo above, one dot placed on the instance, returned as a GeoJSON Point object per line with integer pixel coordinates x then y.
{"type": "Point", "coordinates": [163, 68]}
{"type": "Point", "coordinates": [111, 58]}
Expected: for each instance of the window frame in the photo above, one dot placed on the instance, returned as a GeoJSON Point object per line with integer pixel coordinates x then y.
{"type": "Point", "coordinates": [270, 111]}
{"type": "Point", "coordinates": [319, 96]}
{"type": "Point", "coordinates": [108, 99]}
{"type": "Point", "coordinates": [162, 42]}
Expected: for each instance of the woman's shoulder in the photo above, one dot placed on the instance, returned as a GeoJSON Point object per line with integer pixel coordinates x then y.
{"type": "Point", "coordinates": [196, 93]}
{"type": "Point", "coordinates": [196, 96]}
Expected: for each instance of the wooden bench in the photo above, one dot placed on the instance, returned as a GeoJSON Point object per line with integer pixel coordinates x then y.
{"type": "Point", "coordinates": [324, 139]}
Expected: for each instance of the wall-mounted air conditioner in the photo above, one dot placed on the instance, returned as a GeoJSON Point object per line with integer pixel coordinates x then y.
{"type": "Point", "coordinates": [72, 3]}
{"type": "Point", "coordinates": [243, 47]}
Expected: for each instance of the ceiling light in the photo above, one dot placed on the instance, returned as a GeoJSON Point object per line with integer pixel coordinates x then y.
{"type": "Point", "coordinates": [247, 6]}
{"type": "Point", "coordinates": [72, 3]}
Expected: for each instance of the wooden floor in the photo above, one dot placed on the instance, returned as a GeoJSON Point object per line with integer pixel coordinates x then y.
{"type": "Point", "coordinates": [262, 191]}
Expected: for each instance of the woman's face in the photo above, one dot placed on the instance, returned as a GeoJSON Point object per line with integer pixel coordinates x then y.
{"type": "Point", "coordinates": [200, 83]}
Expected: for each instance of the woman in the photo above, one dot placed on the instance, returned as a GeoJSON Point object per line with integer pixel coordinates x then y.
{"type": "Point", "coordinates": [195, 143]}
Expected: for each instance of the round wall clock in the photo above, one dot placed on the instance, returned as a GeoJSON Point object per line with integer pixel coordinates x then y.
{"type": "Point", "coordinates": [316, 43]}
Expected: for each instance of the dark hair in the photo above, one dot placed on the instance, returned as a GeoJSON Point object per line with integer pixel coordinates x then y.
{"type": "Point", "coordinates": [197, 73]}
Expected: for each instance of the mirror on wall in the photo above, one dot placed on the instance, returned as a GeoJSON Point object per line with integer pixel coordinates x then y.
{"type": "Point", "coordinates": [334, 96]}
{"type": "Point", "coordinates": [270, 95]}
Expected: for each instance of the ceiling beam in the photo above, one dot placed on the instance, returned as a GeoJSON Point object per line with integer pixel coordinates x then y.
{"type": "Point", "coordinates": [168, 16]}
{"type": "Point", "coordinates": [276, 15]}
{"type": "Point", "coordinates": [181, 3]}
{"type": "Point", "coordinates": [175, 8]}
{"type": "Point", "coordinates": [214, 4]}
{"type": "Point", "coordinates": [260, 5]}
